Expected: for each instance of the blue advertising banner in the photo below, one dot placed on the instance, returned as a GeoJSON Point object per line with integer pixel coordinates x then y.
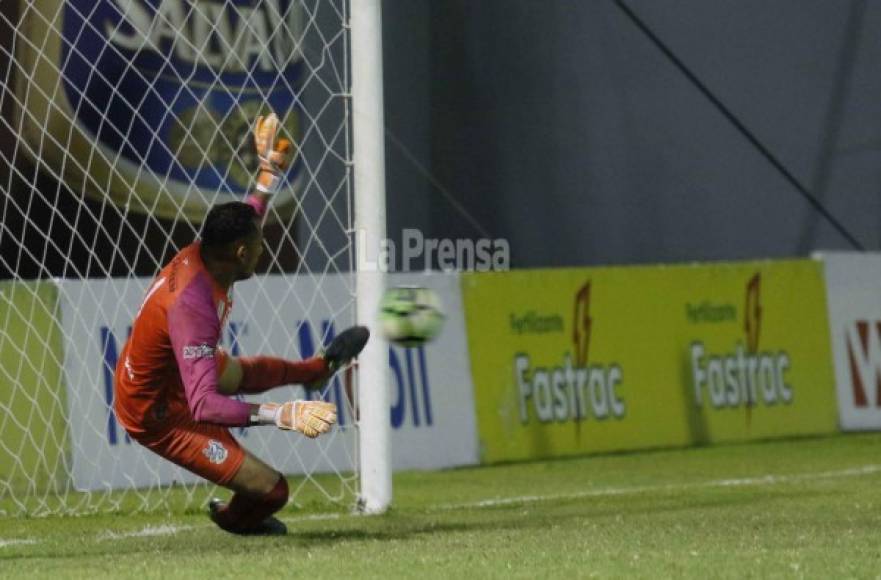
{"type": "Point", "coordinates": [157, 98]}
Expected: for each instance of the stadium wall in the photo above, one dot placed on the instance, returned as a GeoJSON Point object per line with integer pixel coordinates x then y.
{"type": "Point", "coordinates": [564, 130]}
{"type": "Point", "coordinates": [530, 364]}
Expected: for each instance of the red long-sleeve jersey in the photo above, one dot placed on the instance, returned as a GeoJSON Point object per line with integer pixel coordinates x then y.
{"type": "Point", "coordinates": [170, 361]}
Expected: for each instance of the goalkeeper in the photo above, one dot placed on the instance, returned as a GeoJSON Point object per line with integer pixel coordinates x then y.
{"type": "Point", "coordinates": [173, 384]}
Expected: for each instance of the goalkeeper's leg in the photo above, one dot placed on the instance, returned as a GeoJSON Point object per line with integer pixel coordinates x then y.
{"type": "Point", "coordinates": [211, 451]}
{"type": "Point", "coordinates": [257, 374]}
{"type": "Point", "coordinates": [260, 491]}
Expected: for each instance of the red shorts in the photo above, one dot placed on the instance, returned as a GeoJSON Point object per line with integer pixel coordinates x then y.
{"type": "Point", "coordinates": [170, 431]}
{"type": "Point", "coordinates": [209, 451]}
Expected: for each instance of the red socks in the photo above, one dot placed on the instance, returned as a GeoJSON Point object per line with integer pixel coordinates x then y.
{"type": "Point", "coordinates": [244, 512]}
{"type": "Point", "coordinates": [261, 373]}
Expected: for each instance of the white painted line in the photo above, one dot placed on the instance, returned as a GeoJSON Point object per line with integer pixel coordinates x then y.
{"type": "Point", "coordinates": [770, 479]}
{"type": "Point", "coordinates": [171, 529]}
{"type": "Point", "coordinates": [146, 532]}
{"type": "Point", "coordinates": [613, 491]}
{"type": "Point", "coordinates": [311, 518]}
{"type": "Point", "coordinates": [17, 542]}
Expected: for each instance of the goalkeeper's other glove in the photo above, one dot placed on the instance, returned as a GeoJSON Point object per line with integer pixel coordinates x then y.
{"type": "Point", "coordinates": [274, 153]}
{"type": "Point", "coordinates": [311, 418]}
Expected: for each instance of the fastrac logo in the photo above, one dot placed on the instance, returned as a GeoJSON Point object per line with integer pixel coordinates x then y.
{"type": "Point", "coordinates": [863, 338]}
{"type": "Point", "coordinates": [746, 375]}
{"type": "Point", "coordinates": [575, 389]}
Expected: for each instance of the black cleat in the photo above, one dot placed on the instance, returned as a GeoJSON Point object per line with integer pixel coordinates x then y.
{"type": "Point", "coordinates": [342, 349]}
{"type": "Point", "coordinates": [347, 345]}
{"type": "Point", "coordinates": [215, 504]}
{"type": "Point", "coordinates": [271, 526]}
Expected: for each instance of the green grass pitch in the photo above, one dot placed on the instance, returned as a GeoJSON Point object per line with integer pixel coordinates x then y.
{"type": "Point", "coordinates": [801, 508]}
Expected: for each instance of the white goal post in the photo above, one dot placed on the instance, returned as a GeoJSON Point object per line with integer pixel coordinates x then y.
{"type": "Point", "coordinates": [370, 218]}
{"type": "Point", "coordinates": [121, 123]}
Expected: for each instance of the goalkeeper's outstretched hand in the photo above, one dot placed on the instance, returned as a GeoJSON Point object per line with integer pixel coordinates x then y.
{"type": "Point", "coordinates": [274, 152]}
{"type": "Point", "coordinates": [311, 418]}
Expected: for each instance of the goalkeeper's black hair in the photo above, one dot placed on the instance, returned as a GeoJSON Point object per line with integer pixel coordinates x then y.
{"type": "Point", "coordinates": [228, 222]}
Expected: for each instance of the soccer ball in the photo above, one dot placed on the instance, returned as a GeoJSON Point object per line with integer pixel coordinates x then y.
{"type": "Point", "coordinates": [410, 315]}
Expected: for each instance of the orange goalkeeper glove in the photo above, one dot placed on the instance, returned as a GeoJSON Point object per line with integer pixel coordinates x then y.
{"type": "Point", "coordinates": [275, 153]}
{"type": "Point", "coordinates": [311, 418]}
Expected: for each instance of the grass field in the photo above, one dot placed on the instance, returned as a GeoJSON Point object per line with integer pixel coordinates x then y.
{"type": "Point", "coordinates": [803, 508]}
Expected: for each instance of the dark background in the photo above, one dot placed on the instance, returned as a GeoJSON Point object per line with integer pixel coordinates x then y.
{"type": "Point", "coordinates": [560, 127]}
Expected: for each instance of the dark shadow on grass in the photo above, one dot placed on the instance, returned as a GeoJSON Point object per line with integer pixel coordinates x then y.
{"type": "Point", "coordinates": [538, 516]}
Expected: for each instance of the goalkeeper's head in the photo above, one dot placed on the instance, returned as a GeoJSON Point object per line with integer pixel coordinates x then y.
{"type": "Point", "coordinates": [233, 236]}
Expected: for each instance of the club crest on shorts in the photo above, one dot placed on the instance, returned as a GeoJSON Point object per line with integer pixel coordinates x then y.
{"type": "Point", "coordinates": [215, 452]}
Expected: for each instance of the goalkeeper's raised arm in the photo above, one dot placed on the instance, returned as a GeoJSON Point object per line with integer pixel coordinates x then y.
{"type": "Point", "coordinates": [173, 383]}
{"type": "Point", "coordinates": [275, 154]}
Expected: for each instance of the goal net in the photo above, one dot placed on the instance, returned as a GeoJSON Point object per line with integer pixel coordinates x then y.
{"type": "Point", "coordinates": [122, 122]}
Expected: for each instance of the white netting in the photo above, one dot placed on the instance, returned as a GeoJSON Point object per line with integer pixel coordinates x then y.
{"type": "Point", "coordinates": [122, 122]}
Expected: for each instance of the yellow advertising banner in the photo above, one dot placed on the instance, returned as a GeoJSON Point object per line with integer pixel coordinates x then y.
{"type": "Point", "coordinates": [34, 433]}
{"type": "Point", "coordinates": [573, 361]}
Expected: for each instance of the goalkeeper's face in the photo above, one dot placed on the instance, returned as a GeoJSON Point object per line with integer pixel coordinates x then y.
{"type": "Point", "coordinates": [248, 254]}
